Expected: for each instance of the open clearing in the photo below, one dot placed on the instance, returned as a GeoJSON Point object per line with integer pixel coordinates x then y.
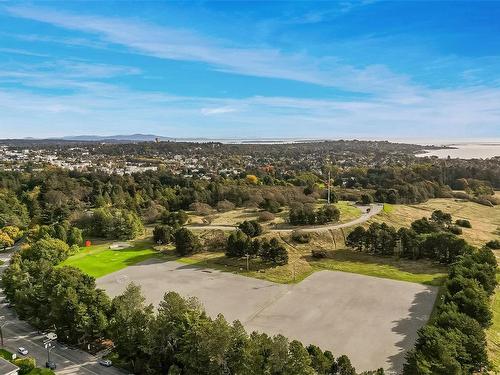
{"type": "Point", "coordinates": [99, 260]}
{"type": "Point", "coordinates": [485, 220]}
{"type": "Point", "coordinates": [372, 320]}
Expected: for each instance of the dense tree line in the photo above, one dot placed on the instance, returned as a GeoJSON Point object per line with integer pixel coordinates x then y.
{"type": "Point", "coordinates": [111, 223]}
{"type": "Point", "coordinates": [453, 342]}
{"type": "Point", "coordinates": [60, 297]}
{"type": "Point", "coordinates": [301, 214]}
{"type": "Point", "coordinates": [431, 239]}
{"type": "Point", "coordinates": [181, 339]}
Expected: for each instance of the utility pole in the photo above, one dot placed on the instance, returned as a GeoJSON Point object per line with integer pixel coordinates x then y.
{"type": "Point", "coordinates": [329, 179]}
{"type": "Point", "coordinates": [398, 248]}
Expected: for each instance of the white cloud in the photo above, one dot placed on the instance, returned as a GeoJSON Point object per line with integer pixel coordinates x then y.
{"type": "Point", "coordinates": [443, 113]}
{"type": "Point", "coordinates": [217, 110]}
{"type": "Point", "coordinates": [396, 107]}
{"type": "Point", "coordinates": [186, 45]}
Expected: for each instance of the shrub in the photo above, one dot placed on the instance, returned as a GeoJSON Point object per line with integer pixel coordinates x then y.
{"type": "Point", "coordinates": [270, 205]}
{"type": "Point", "coordinates": [366, 199]}
{"type": "Point", "coordinates": [485, 201]}
{"type": "Point", "coordinates": [13, 232]}
{"type": "Point", "coordinates": [186, 243]}
{"type": "Point", "coordinates": [273, 252]}
{"type": "Point", "coordinates": [266, 216]}
{"type": "Point", "coordinates": [493, 244]}
{"type": "Point", "coordinates": [238, 244]}
{"type": "Point", "coordinates": [461, 195]}
{"type": "Point", "coordinates": [319, 253]}
{"type": "Point", "coordinates": [25, 364]}
{"type": "Point", "coordinates": [251, 228]}
{"type": "Point", "coordinates": [163, 234]}
{"type": "Point", "coordinates": [308, 190]}
{"type": "Point", "coordinates": [463, 223]}
{"type": "Point", "coordinates": [300, 236]}
{"type": "Point", "coordinates": [202, 209]}
{"type": "Point", "coordinates": [225, 205]}
{"type": "Point", "coordinates": [174, 219]}
{"type": "Point", "coordinates": [75, 237]}
{"type": "Point", "coordinates": [455, 229]}
{"type": "Point", "coordinates": [214, 240]}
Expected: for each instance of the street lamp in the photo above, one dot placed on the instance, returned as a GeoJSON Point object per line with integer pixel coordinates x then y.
{"type": "Point", "coordinates": [3, 323]}
{"type": "Point", "coordinates": [48, 345]}
{"type": "Point", "coordinates": [248, 261]}
{"type": "Point", "coordinates": [50, 337]}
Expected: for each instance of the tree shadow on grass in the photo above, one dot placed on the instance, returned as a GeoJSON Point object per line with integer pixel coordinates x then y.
{"type": "Point", "coordinates": [407, 327]}
{"type": "Point", "coordinates": [224, 263]}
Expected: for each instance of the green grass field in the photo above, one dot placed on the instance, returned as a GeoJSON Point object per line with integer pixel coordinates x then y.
{"type": "Point", "coordinates": [99, 260]}
{"type": "Point", "coordinates": [421, 271]}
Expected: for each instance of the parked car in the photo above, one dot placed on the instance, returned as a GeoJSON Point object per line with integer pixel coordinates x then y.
{"type": "Point", "coordinates": [105, 362]}
{"type": "Point", "coordinates": [51, 365]}
{"type": "Point", "coordinates": [22, 351]}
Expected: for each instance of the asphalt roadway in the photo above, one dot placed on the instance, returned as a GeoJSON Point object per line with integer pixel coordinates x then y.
{"type": "Point", "coordinates": [372, 320]}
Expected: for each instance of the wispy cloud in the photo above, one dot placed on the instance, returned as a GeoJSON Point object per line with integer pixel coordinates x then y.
{"type": "Point", "coordinates": [441, 113]}
{"type": "Point", "coordinates": [18, 51]}
{"type": "Point", "coordinates": [64, 74]}
{"type": "Point", "coordinates": [187, 45]}
{"type": "Point", "coordinates": [394, 105]}
{"type": "Point", "coordinates": [217, 110]}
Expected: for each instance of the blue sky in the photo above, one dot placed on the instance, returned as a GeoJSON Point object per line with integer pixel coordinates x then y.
{"type": "Point", "coordinates": [360, 69]}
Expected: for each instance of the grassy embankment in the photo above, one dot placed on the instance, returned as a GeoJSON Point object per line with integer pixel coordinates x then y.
{"type": "Point", "coordinates": [485, 220]}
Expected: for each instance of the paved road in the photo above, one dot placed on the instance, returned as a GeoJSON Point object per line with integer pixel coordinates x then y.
{"type": "Point", "coordinates": [372, 320]}
{"type": "Point", "coordinates": [19, 333]}
{"type": "Point", "coordinates": [367, 213]}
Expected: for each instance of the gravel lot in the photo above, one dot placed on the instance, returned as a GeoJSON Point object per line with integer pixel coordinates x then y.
{"type": "Point", "coordinates": [372, 320]}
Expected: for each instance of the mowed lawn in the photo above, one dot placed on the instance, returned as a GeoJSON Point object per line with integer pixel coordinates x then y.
{"type": "Point", "coordinates": [99, 260]}
{"type": "Point", "coordinates": [422, 271]}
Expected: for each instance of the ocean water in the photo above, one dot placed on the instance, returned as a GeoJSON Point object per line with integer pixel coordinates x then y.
{"type": "Point", "coordinates": [483, 150]}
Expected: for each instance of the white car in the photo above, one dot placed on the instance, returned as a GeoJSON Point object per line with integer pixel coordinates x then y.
{"type": "Point", "coordinates": [22, 351]}
{"type": "Point", "coordinates": [105, 362]}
